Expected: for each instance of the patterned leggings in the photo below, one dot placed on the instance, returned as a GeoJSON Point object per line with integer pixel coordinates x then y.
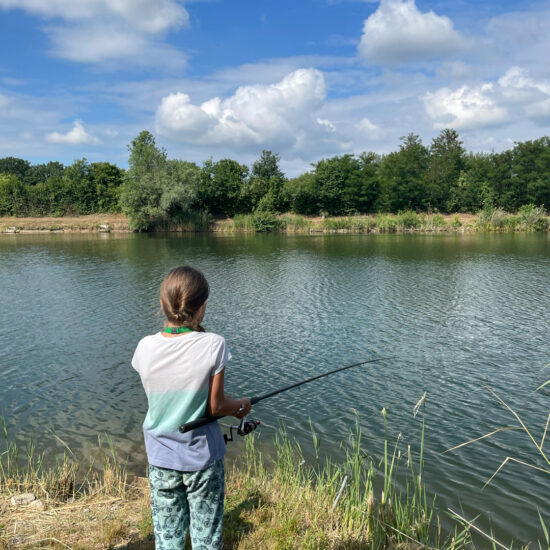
{"type": "Point", "coordinates": [183, 500]}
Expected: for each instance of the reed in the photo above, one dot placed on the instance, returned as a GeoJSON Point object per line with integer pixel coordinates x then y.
{"type": "Point", "coordinates": [243, 222]}
{"type": "Point", "coordinates": [296, 223]}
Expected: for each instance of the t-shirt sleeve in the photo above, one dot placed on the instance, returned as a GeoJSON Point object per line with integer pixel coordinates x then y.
{"type": "Point", "coordinates": [135, 358]}
{"type": "Point", "coordinates": [220, 355]}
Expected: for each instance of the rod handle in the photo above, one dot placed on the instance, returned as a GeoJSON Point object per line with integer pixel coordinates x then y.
{"type": "Point", "coordinates": [197, 423]}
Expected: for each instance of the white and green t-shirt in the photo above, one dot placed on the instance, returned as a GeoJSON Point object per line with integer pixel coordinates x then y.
{"type": "Point", "coordinates": [175, 373]}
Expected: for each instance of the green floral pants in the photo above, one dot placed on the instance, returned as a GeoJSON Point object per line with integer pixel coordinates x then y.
{"type": "Point", "coordinates": [187, 500]}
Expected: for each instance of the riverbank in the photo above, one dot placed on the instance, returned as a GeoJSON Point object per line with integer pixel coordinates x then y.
{"type": "Point", "coordinates": [279, 503]}
{"type": "Point", "coordinates": [408, 221]}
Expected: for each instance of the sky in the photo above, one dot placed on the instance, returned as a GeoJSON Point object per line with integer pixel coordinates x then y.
{"type": "Point", "coordinates": [307, 79]}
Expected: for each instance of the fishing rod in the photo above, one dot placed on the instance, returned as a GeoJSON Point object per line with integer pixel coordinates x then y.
{"type": "Point", "coordinates": [247, 427]}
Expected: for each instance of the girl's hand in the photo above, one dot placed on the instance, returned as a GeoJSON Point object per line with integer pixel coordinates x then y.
{"type": "Point", "coordinates": [244, 408]}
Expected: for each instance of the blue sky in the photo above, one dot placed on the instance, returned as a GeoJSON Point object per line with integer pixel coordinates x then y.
{"type": "Point", "coordinates": [307, 79]}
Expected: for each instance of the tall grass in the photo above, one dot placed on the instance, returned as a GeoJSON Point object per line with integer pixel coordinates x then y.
{"type": "Point", "coordinates": [529, 218]}
{"type": "Point", "coordinates": [354, 503]}
{"type": "Point", "coordinates": [24, 470]}
{"type": "Point", "coordinates": [540, 456]}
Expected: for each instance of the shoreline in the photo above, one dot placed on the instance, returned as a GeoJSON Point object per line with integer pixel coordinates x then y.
{"type": "Point", "coordinates": [408, 222]}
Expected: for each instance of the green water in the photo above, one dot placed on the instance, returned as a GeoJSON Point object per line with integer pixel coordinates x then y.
{"type": "Point", "coordinates": [457, 312]}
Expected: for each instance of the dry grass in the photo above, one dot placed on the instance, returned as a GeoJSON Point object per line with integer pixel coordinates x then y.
{"type": "Point", "coordinates": [116, 222]}
{"type": "Point", "coordinates": [85, 522]}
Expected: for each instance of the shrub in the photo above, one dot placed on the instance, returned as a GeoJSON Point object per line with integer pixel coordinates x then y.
{"type": "Point", "coordinates": [265, 222]}
{"type": "Point", "coordinates": [533, 217]}
{"type": "Point", "coordinates": [437, 221]}
{"type": "Point", "coordinates": [456, 221]}
{"type": "Point", "coordinates": [407, 219]}
{"type": "Point", "coordinates": [385, 223]}
{"type": "Point", "coordinates": [491, 218]}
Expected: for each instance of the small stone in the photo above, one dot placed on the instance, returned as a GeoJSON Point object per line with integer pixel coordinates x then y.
{"type": "Point", "coordinates": [22, 500]}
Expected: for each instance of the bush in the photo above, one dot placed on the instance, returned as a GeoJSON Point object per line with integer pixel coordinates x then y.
{"type": "Point", "coordinates": [408, 219]}
{"type": "Point", "coordinates": [265, 222]}
{"type": "Point", "coordinates": [456, 221]}
{"type": "Point", "coordinates": [386, 224]}
{"type": "Point", "coordinates": [437, 221]}
{"type": "Point", "coordinates": [533, 217]}
{"type": "Point", "coordinates": [491, 218]}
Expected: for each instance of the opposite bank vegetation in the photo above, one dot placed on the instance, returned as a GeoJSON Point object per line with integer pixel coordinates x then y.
{"type": "Point", "coordinates": [156, 192]}
{"type": "Point", "coordinates": [529, 218]}
{"type": "Point", "coordinates": [283, 502]}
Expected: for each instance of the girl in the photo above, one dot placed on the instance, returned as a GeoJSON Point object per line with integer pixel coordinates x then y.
{"type": "Point", "coordinates": [182, 370]}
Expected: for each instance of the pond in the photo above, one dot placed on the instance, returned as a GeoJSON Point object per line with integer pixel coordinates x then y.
{"type": "Point", "coordinates": [457, 314]}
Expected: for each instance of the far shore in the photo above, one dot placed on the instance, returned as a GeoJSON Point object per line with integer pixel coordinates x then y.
{"type": "Point", "coordinates": [118, 223]}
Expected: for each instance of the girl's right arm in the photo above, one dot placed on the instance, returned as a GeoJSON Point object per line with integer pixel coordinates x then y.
{"type": "Point", "coordinates": [220, 404]}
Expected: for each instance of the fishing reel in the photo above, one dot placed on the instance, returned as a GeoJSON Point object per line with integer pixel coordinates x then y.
{"type": "Point", "coordinates": [244, 428]}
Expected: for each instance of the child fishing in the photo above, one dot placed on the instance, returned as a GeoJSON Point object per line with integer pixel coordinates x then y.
{"type": "Point", "coordinates": [182, 371]}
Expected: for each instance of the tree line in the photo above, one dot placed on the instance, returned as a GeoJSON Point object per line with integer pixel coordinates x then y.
{"type": "Point", "coordinates": [156, 190]}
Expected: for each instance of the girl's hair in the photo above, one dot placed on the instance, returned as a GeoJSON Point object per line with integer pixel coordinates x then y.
{"type": "Point", "coordinates": [182, 293]}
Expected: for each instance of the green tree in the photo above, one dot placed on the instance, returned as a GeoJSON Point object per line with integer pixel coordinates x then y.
{"type": "Point", "coordinates": [265, 184]}
{"type": "Point", "coordinates": [80, 193]}
{"type": "Point", "coordinates": [107, 181]}
{"type": "Point", "coordinates": [338, 181]}
{"type": "Point", "coordinates": [13, 196]}
{"type": "Point", "coordinates": [14, 166]}
{"type": "Point", "coordinates": [367, 194]}
{"type": "Point", "coordinates": [220, 189]}
{"type": "Point", "coordinates": [530, 174]}
{"type": "Point", "coordinates": [41, 173]}
{"type": "Point", "coordinates": [446, 162]}
{"type": "Point", "coordinates": [155, 191]}
{"type": "Point", "coordinates": [402, 177]}
{"type": "Point", "coordinates": [301, 195]}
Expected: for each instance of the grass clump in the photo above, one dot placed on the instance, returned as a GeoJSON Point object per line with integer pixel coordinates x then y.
{"type": "Point", "coordinates": [436, 222]}
{"type": "Point", "coordinates": [293, 503]}
{"type": "Point", "coordinates": [533, 218]}
{"type": "Point", "coordinates": [408, 219]}
{"type": "Point", "coordinates": [386, 223]}
{"type": "Point", "coordinates": [337, 223]}
{"type": "Point", "coordinates": [491, 219]}
{"type": "Point", "coordinates": [296, 223]}
{"type": "Point", "coordinates": [243, 222]}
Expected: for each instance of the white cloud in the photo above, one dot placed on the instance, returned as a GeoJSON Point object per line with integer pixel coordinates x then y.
{"type": "Point", "coordinates": [145, 15]}
{"type": "Point", "coordinates": [94, 31]}
{"type": "Point", "coordinates": [464, 108]}
{"type": "Point", "coordinates": [281, 115]}
{"type": "Point", "coordinates": [513, 96]}
{"type": "Point", "coordinates": [109, 44]}
{"type": "Point", "coordinates": [398, 32]}
{"type": "Point", "coordinates": [76, 136]}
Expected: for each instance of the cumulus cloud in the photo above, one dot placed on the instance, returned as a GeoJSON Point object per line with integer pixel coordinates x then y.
{"type": "Point", "coordinates": [94, 31]}
{"type": "Point", "coordinates": [281, 115]}
{"type": "Point", "coordinates": [76, 136]}
{"type": "Point", "coordinates": [398, 32]}
{"type": "Point", "coordinates": [464, 108]}
{"type": "Point", "coordinates": [515, 94]}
